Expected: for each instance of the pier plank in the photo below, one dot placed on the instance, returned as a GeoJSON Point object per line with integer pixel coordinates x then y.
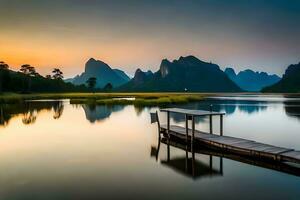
{"type": "Point", "coordinates": [292, 154]}
{"type": "Point", "coordinates": [191, 112]}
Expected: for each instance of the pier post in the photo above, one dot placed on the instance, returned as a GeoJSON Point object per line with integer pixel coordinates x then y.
{"type": "Point", "coordinates": [221, 125]}
{"type": "Point", "coordinates": [193, 132]}
{"type": "Point", "coordinates": [187, 127]}
{"type": "Point", "coordinates": [186, 159]}
{"type": "Point", "coordinates": [193, 163]}
{"type": "Point", "coordinates": [210, 121]}
{"type": "Point", "coordinates": [168, 150]}
{"type": "Point", "coordinates": [210, 163]}
{"type": "Point", "coordinates": [210, 124]}
{"type": "Point", "coordinates": [168, 123]}
{"type": "Point", "coordinates": [192, 146]}
{"type": "Point", "coordinates": [168, 130]}
{"type": "Point", "coordinates": [221, 165]}
{"type": "Point", "coordinates": [187, 139]}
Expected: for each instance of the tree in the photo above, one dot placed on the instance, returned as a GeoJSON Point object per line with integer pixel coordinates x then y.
{"type": "Point", "coordinates": [91, 82]}
{"type": "Point", "coordinates": [4, 74]}
{"type": "Point", "coordinates": [3, 66]}
{"type": "Point", "coordinates": [48, 76]}
{"type": "Point", "coordinates": [57, 74]}
{"type": "Point", "coordinates": [29, 71]}
{"type": "Point", "coordinates": [108, 87]}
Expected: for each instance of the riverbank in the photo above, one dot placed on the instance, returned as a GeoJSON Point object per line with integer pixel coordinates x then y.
{"type": "Point", "coordinates": [107, 98]}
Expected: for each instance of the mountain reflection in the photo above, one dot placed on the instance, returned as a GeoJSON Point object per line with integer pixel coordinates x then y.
{"type": "Point", "coordinates": [29, 111]}
{"type": "Point", "coordinates": [94, 113]}
{"type": "Point", "coordinates": [292, 109]}
{"type": "Point", "coordinates": [227, 106]}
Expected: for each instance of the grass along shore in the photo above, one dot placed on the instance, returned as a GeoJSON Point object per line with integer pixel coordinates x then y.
{"type": "Point", "coordinates": [107, 98]}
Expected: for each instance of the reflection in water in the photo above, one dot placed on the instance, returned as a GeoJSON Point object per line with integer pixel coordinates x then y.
{"type": "Point", "coordinates": [29, 117]}
{"type": "Point", "coordinates": [139, 110]}
{"type": "Point", "coordinates": [292, 109]}
{"type": "Point", "coordinates": [2, 119]}
{"type": "Point", "coordinates": [247, 105]}
{"type": "Point", "coordinates": [227, 106]}
{"type": "Point", "coordinates": [95, 113]}
{"type": "Point", "coordinates": [29, 111]}
{"type": "Point", "coordinates": [58, 109]}
{"type": "Point", "coordinates": [189, 167]}
{"type": "Point", "coordinates": [55, 159]}
{"type": "Point", "coordinates": [195, 169]}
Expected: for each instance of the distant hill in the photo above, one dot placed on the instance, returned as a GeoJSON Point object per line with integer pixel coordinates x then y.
{"type": "Point", "coordinates": [103, 72]}
{"type": "Point", "coordinates": [251, 81]}
{"type": "Point", "coordinates": [185, 74]}
{"type": "Point", "coordinates": [290, 81]}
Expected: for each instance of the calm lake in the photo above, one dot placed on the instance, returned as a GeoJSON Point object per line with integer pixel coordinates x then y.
{"type": "Point", "coordinates": [55, 150]}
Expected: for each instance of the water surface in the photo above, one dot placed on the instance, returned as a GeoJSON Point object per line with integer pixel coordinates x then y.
{"type": "Point", "coordinates": [54, 150]}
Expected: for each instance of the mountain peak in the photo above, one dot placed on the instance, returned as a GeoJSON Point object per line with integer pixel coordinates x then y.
{"type": "Point", "coordinates": [103, 72]}
{"type": "Point", "coordinates": [164, 67]}
{"type": "Point", "coordinates": [250, 80]}
{"type": "Point", "coordinates": [139, 76]}
{"type": "Point", "coordinates": [229, 70]}
{"type": "Point", "coordinates": [138, 71]}
{"type": "Point", "coordinates": [290, 81]}
{"type": "Point", "coordinates": [93, 66]}
{"type": "Point", "coordinates": [188, 58]}
{"type": "Point", "coordinates": [165, 61]}
{"type": "Point", "coordinates": [91, 60]}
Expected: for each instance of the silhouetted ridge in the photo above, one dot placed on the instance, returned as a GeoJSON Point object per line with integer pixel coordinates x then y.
{"type": "Point", "coordinates": [185, 74]}
{"type": "Point", "coordinates": [249, 80]}
{"type": "Point", "coordinates": [290, 81]}
{"type": "Point", "coordinates": [102, 72]}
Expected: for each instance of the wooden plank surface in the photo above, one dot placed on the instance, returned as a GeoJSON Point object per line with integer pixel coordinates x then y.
{"type": "Point", "coordinates": [191, 112]}
{"type": "Point", "coordinates": [237, 143]}
{"type": "Point", "coordinates": [292, 154]}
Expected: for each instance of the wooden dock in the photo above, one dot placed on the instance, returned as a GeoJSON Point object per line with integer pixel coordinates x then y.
{"type": "Point", "coordinates": [234, 145]}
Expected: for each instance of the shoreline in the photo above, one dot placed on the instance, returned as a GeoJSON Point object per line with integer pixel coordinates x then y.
{"type": "Point", "coordinates": [139, 98]}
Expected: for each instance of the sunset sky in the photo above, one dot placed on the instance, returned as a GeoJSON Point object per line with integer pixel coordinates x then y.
{"type": "Point", "coordinates": [262, 35]}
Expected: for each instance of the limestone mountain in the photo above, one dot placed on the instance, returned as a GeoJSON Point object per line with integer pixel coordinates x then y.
{"type": "Point", "coordinates": [122, 74]}
{"type": "Point", "coordinates": [103, 72]}
{"type": "Point", "coordinates": [249, 80]}
{"type": "Point", "coordinates": [290, 81]}
{"type": "Point", "coordinates": [185, 74]}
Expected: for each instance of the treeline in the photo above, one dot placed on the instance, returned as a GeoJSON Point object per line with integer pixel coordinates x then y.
{"type": "Point", "coordinates": [28, 80]}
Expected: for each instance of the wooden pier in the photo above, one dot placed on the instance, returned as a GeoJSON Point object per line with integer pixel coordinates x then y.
{"type": "Point", "coordinates": [238, 146]}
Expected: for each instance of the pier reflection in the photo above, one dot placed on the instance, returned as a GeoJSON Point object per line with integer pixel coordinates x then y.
{"type": "Point", "coordinates": [195, 169]}
{"type": "Point", "coordinates": [188, 165]}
